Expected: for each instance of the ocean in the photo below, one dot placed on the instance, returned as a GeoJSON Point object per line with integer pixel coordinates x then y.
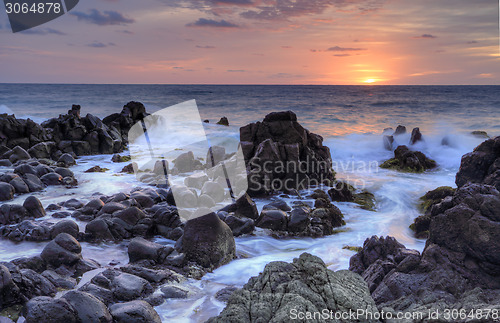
{"type": "Point", "coordinates": [351, 120]}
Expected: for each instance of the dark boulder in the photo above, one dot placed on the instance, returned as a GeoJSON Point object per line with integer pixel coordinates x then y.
{"type": "Point", "coordinates": [243, 207]}
{"type": "Point", "coordinates": [208, 241]}
{"type": "Point", "coordinates": [65, 226]}
{"type": "Point", "coordinates": [12, 213]}
{"type": "Point", "coordinates": [139, 249]}
{"type": "Point", "coordinates": [273, 219]}
{"type": "Point", "coordinates": [19, 185]}
{"type": "Point", "coordinates": [388, 141]}
{"type": "Point", "coordinates": [18, 154]}
{"type": "Point", "coordinates": [34, 207]}
{"type": "Point", "coordinates": [67, 160]}
{"type": "Point", "coordinates": [88, 308]}
{"type": "Point", "coordinates": [6, 191]}
{"type": "Point", "coordinates": [52, 179]}
{"type": "Point", "coordinates": [63, 250]}
{"type": "Point", "coordinates": [134, 312]}
{"type": "Point", "coordinates": [49, 310]}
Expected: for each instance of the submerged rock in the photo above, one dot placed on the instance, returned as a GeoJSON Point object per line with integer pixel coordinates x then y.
{"type": "Point", "coordinates": [409, 161]}
{"type": "Point", "coordinates": [305, 285]}
{"type": "Point", "coordinates": [134, 312]}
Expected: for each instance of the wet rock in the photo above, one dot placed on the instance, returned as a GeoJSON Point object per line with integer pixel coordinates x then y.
{"type": "Point", "coordinates": [19, 185]}
{"type": "Point", "coordinates": [6, 191]}
{"type": "Point", "coordinates": [127, 287]}
{"type": "Point", "coordinates": [224, 294]}
{"type": "Point", "coordinates": [88, 308]}
{"type": "Point", "coordinates": [223, 121]}
{"type": "Point", "coordinates": [304, 285]}
{"type": "Point", "coordinates": [175, 291]}
{"type": "Point", "coordinates": [134, 312]}
{"type": "Point", "coordinates": [416, 136]}
{"type": "Point", "coordinates": [12, 213]}
{"type": "Point", "coordinates": [131, 215]}
{"type": "Point", "coordinates": [34, 207]}
{"type": "Point", "coordinates": [129, 169]}
{"type": "Point", "coordinates": [63, 250]}
{"type": "Point", "coordinates": [342, 192]}
{"type": "Point", "coordinates": [64, 172]}
{"type": "Point", "coordinates": [18, 154]}
{"type": "Point", "coordinates": [481, 165]}
{"type": "Point", "coordinates": [244, 207]}
{"type": "Point", "coordinates": [409, 161]}
{"type": "Point", "coordinates": [281, 144]}
{"type": "Point", "coordinates": [65, 226]}
{"type": "Point", "coordinates": [42, 150]}
{"type": "Point", "coordinates": [480, 134]}
{"type": "Point", "coordinates": [278, 204]}
{"type": "Point", "coordinates": [207, 241]}
{"type": "Point", "coordinates": [140, 248]}
{"type": "Point", "coordinates": [239, 226]}
{"type": "Point", "coordinates": [25, 169]}
{"type": "Point", "coordinates": [52, 179]}
{"type": "Point", "coordinates": [33, 182]}
{"type": "Point", "coordinates": [117, 158]}
{"type": "Point", "coordinates": [59, 281]}
{"type": "Point", "coordinates": [299, 219]}
{"type": "Point", "coordinates": [273, 219]}
{"type": "Point", "coordinates": [67, 160]}
{"type": "Point", "coordinates": [400, 130]}
{"type": "Point", "coordinates": [47, 309]}
{"type": "Point", "coordinates": [112, 207]}
{"type": "Point", "coordinates": [96, 169]}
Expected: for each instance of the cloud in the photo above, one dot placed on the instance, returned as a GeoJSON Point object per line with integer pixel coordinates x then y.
{"type": "Point", "coordinates": [128, 32]}
{"type": "Point", "coordinates": [286, 47]}
{"type": "Point", "coordinates": [485, 75]}
{"type": "Point", "coordinates": [43, 31]}
{"type": "Point", "coordinates": [472, 42]}
{"type": "Point", "coordinates": [205, 47]}
{"type": "Point", "coordinates": [343, 49]}
{"type": "Point", "coordinates": [236, 71]}
{"type": "Point", "coordinates": [100, 45]}
{"type": "Point", "coordinates": [425, 36]}
{"type": "Point", "coordinates": [284, 9]}
{"type": "Point", "coordinates": [342, 55]}
{"type": "Point", "coordinates": [106, 18]}
{"type": "Point", "coordinates": [203, 22]}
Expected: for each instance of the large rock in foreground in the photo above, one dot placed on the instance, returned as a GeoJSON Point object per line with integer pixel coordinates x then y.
{"type": "Point", "coordinates": [482, 165]}
{"type": "Point", "coordinates": [282, 155]}
{"type": "Point", "coordinates": [305, 285]}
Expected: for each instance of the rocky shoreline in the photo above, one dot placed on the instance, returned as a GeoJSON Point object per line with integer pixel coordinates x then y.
{"type": "Point", "coordinates": [457, 269]}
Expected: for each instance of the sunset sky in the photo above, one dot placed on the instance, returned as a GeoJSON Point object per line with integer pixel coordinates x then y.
{"type": "Point", "coordinates": [259, 42]}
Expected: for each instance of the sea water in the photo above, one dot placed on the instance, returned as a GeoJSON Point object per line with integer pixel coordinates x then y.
{"type": "Point", "coordinates": [351, 120]}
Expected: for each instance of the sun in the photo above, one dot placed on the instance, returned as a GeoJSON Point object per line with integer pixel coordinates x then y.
{"type": "Point", "coordinates": [370, 81]}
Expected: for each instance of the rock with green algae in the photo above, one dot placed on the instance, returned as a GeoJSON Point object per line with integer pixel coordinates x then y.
{"type": "Point", "coordinates": [421, 224]}
{"type": "Point", "coordinates": [344, 192]}
{"type": "Point", "coordinates": [406, 160]}
{"type": "Point", "coordinates": [305, 286]}
{"type": "Point", "coordinates": [480, 134]}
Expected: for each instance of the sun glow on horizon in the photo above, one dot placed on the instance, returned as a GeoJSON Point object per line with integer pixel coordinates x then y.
{"type": "Point", "coordinates": [370, 81]}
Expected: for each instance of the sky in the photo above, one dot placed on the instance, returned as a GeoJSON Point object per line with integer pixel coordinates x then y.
{"type": "Point", "coordinates": [259, 42]}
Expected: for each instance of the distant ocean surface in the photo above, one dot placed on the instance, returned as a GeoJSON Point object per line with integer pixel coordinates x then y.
{"type": "Point", "coordinates": [326, 110]}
